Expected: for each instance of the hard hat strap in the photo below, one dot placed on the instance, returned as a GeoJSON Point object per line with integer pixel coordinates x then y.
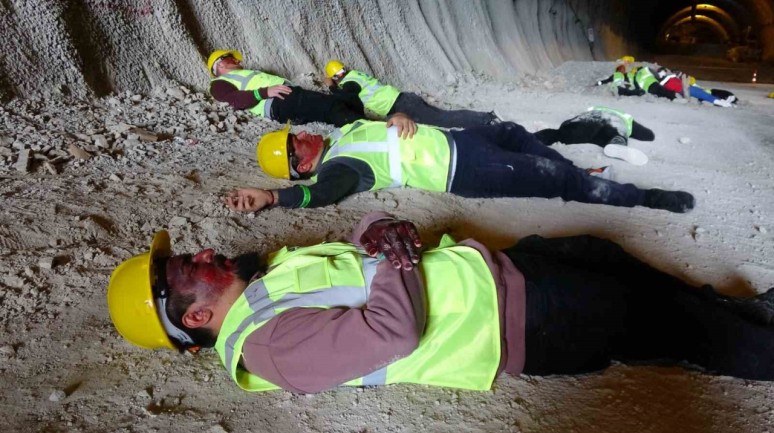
{"type": "Point", "coordinates": [161, 293]}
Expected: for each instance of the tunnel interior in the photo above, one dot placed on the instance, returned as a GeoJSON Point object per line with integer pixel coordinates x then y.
{"type": "Point", "coordinates": [97, 48]}
{"type": "Point", "coordinates": [739, 30]}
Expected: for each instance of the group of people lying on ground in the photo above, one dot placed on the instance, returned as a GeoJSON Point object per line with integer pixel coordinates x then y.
{"type": "Point", "coordinates": [379, 309]}
{"type": "Point", "coordinates": [630, 79]}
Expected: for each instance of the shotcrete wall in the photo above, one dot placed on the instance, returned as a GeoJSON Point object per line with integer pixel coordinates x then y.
{"type": "Point", "coordinates": [94, 47]}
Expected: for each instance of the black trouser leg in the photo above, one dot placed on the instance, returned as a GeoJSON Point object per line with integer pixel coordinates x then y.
{"type": "Point", "coordinates": [422, 112]}
{"type": "Point", "coordinates": [640, 132]}
{"type": "Point", "coordinates": [304, 106]}
{"type": "Point", "coordinates": [660, 91]}
{"type": "Point", "coordinates": [589, 302]}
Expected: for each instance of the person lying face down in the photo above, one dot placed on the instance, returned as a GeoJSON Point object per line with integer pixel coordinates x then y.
{"type": "Point", "coordinates": [455, 315]}
{"type": "Point", "coordinates": [502, 160]}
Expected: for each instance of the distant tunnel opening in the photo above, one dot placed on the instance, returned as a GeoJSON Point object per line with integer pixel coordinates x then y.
{"type": "Point", "coordinates": [739, 30]}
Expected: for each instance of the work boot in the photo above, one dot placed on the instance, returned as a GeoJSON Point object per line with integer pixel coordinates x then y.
{"type": "Point", "coordinates": [619, 139]}
{"type": "Point", "coordinates": [495, 118]}
{"type": "Point", "coordinates": [629, 154]}
{"type": "Point", "coordinates": [758, 309]}
{"type": "Point", "coordinates": [673, 201]}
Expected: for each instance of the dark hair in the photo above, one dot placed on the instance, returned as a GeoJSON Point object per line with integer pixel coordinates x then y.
{"type": "Point", "coordinates": [177, 305]}
{"type": "Point", "coordinates": [247, 266]}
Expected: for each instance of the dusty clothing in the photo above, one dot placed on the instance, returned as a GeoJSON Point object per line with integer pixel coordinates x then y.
{"type": "Point", "coordinates": [301, 106]}
{"type": "Point", "coordinates": [312, 349]}
{"type": "Point", "coordinates": [502, 160]}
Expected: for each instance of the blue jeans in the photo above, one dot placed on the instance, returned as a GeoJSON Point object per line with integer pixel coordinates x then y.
{"type": "Point", "coordinates": [422, 112]}
{"type": "Point", "coordinates": [505, 160]}
{"type": "Point", "coordinates": [699, 93]}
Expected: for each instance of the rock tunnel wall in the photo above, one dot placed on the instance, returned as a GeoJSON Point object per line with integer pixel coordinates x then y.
{"type": "Point", "coordinates": [95, 47]}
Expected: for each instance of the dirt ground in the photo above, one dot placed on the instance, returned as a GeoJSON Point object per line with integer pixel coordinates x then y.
{"type": "Point", "coordinates": [163, 159]}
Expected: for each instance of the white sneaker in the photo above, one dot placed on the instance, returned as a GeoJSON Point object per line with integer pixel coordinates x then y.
{"type": "Point", "coordinates": [722, 103]}
{"type": "Point", "coordinates": [629, 154]}
{"type": "Point", "coordinates": [731, 99]}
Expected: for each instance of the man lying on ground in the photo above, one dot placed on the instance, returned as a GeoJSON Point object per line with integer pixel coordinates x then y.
{"type": "Point", "coordinates": [384, 100]}
{"type": "Point", "coordinates": [606, 127]}
{"type": "Point", "coordinates": [502, 160]}
{"type": "Point", "coordinates": [313, 318]}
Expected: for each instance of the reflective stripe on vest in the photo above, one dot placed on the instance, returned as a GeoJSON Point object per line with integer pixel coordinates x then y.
{"type": "Point", "coordinates": [645, 78]}
{"type": "Point", "coordinates": [618, 78]}
{"type": "Point", "coordinates": [460, 346]}
{"type": "Point", "coordinates": [666, 78]}
{"type": "Point", "coordinates": [246, 79]}
{"type": "Point", "coordinates": [378, 98]}
{"type": "Point", "coordinates": [626, 118]}
{"type": "Point", "coordinates": [425, 161]}
{"type": "Point", "coordinates": [391, 147]}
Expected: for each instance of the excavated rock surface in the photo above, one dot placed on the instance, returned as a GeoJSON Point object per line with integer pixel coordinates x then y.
{"type": "Point", "coordinates": [102, 46]}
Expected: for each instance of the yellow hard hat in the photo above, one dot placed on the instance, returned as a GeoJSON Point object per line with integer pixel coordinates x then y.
{"type": "Point", "coordinates": [217, 54]}
{"type": "Point", "coordinates": [272, 153]}
{"type": "Point", "coordinates": [130, 298]}
{"type": "Point", "coordinates": [626, 59]}
{"type": "Point", "coordinates": [333, 68]}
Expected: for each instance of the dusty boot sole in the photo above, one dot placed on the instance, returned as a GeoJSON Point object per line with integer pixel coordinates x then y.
{"type": "Point", "coordinates": [626, 153]}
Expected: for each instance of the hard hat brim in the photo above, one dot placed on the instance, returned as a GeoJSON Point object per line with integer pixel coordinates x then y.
{"type": "Point", "coordinates": [131, 301]}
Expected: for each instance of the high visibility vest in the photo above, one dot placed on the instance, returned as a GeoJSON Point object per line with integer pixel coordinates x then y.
{"type": "Point", "coordinates": [666, 78]}
{"type": "Point", "coordinates": [377, 97]}
{"type": "Point", "coordinates": [645, 78]}
{"type": "Point", "coordinates": [618, 79]}
{"type": "Point", "coordinates": [460, 346]}
{"type": "Point", "coordinates": [246, 79]}
{"type": "Point", "coordinates": [425, 161]}
{"type": "Point", "coordinates": [617, 118]}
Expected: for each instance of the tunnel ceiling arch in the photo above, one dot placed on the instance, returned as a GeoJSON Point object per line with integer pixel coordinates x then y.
{"type": "Point", "coordinates": [703, 21]}
{"type": "Point", "coordinates": [745, 21]}
{"type": "Point", "coordinates": [713, 16]}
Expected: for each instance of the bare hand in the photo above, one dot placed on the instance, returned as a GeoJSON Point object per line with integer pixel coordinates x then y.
{"type": "Point", "coordinates": [406, 126]}
{"type": "Point", "coordinates": [248, 199]}
{"type": "Point", "coordinates": [278, 91]}
{"type": "Point", "coordinates": [328, 82]}
{"type": "Point", "coordinates": [398, 240]}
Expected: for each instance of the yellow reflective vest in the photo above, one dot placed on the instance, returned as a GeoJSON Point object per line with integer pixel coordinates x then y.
{"type": "Point", "coordinates": [627, 118]}
{"type": "Point", "coordinates": [246, 79]}
{"type": "Point", "coordinates": [425, 161]}
{"type": "Point", "coordinates": [460, 347]}
{"type": "Point", "coordinates": [645, 78]}
{"type": "Point", "coordinates": [377, 97]}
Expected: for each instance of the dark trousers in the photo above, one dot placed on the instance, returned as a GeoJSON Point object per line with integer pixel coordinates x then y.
{"type": "Point", "coordinates": [305, 106]}
{"type": "Point", "coordinates": [589, 303]}
{"type": "Point", "coordinates": [625, 91]}
{"type": "Point", "coordinates": [422, 112]}
{"type": "Point", "coordinates": [588, 130]}
{"type": "Point", "coordinates": [662, 92]}
{"type": "Point", "coordinates": [505, 160]}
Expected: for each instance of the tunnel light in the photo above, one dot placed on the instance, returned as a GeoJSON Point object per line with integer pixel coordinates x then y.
{"type": "Point", "coordinates": [755, 76]}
